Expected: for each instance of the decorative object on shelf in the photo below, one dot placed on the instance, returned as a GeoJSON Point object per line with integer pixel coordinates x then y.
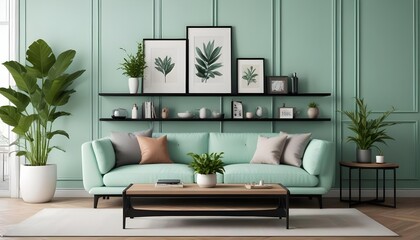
{"type": "Point", "coordinates": [259, 111]}
{"type": "Point", "coordinates": [286, 112]}
{"type": "Point", "coordinates": [43, 87]}
{"type": "Point", "coordinates": [277, 85]}
{"type": "Point", "coordinates": [237, 109]}
{"type": "Point", "coordinates": [203, 112]}
{"type": "Point", "coordinates": [249, 115]}
{"type": "Point", "coordinates": [250, 75]}
{"type": "Point", "coordinates": [216, 114]}
{"type": "Point", "coordinates": [133, 67]}
{"type": "Point", "coordinates": [206, 166]}
{"type": "Point", "coordinates": [185, 114]}
{"type": "Point", "coordinates": [380, 158]}
{"type": "Point", "coordinates": [313, 110]}
{"type": "Point", "coordinates": [134, 112]}
{"type": "Point", "coordinates": [164, 113]}
{"type": "Point", "coordinates": [167, 61]}
{"type": "Point", "coordinates": [209, 56]}
{"type": "Point", "coordinates": [368, 131]}
{"type": "Point", "coordinates": [119, 113]}
{"type": "Point", "coordinates": [148, 110]}
{"type": "Point", "coordinates": [295, 83]}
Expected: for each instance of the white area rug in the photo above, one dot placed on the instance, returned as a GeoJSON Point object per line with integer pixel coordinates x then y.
{"type": "Point", "coordinates": [108, 222]}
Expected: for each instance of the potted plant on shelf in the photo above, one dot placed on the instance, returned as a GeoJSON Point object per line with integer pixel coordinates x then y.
{"type": "Point", "coordinates": [313, 110]}
{"type": "Point", "coordinates": [133, 67]}
{"type": "Point", "coordinates": [206, 166]}
{"type": "Point", "coordinates": [42, 88]}
{"type": "Point", "coordinates": [368, 131]}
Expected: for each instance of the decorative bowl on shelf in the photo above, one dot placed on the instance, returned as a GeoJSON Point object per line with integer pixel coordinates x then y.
{"type": "Point", "coordinates": [119, 113]}
{"type": "Point", "coordinates": [186, 114]}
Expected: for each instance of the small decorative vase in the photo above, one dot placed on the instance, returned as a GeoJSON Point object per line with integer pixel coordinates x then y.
{"type": "Point", "coordinates": [133, 85]}
{"type": "Point", "coordinates": [380, 159]}
{"type": "Point", "coordinates": [206, 180]}
{"type": "Point", "coordinates": [313, 112]}
{"type": "Point", "coordinates": [37, 183]}
{"type": "Point", "coordinates": [364, 156]}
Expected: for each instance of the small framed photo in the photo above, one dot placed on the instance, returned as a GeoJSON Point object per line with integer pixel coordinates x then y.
{"type": "Point", "coordinates": [237, 109]}
{"type": "Point", "coordinates": [286, 112]}
{"type": "Point", "coordinates": [250, 75]}
{"type": "Point", "coordinates": [166, 61]}
{"type": "Point", "coordinates": [277, 85]}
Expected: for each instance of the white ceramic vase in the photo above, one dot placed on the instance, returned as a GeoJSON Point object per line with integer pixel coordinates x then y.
{"type": "Point", "coordinates": [133, 85]}
{"type": "Point", "coordinates": [313, 112]}
{"type": "Point", "coordinates": [206, 180]}
{"type": "Point", "coordinates": [38, 183]}
{"type": "Point", "coordinates": [380, 159]}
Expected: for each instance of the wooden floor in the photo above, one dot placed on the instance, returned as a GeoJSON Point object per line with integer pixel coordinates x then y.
{"type": "Point", "coordinates": [405, 220]}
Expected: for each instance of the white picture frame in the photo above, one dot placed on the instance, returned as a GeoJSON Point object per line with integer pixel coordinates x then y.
{"type": "Point", "coordinates": [250, 75]}
{"type": "Point", "coordinates": [216, 40]}
{"type": "Point", "coordinates": [237, 110]}
{"type": "Point", "coordinates": [159, 54]}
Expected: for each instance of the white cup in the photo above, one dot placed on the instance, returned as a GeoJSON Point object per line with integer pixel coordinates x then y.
{"type": "Point", "coordinates": [249, 115]}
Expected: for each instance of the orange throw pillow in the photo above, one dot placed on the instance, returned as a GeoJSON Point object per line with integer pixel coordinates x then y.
{"type": "Point", "coordinates": [153, 150]}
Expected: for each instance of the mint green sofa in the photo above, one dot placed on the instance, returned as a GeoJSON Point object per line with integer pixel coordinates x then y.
{"type": "Point", "coordinates": [314, 178]}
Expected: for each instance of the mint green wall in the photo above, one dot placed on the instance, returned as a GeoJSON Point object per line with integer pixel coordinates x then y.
{"type": "Point", "coordinates": [365, 48]}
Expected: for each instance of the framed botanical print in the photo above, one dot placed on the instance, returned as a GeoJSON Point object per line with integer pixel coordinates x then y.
{"type": "Point", "coordinates": [237, 109]}
{"type": "Point", "coordinates": [277, 85]}
{"type": "Point", "coordinates": [250, 75]}
{"type": "Point", "coordinates": [209, 59]}
{"type": "Point", "coordinates": [166, 61]}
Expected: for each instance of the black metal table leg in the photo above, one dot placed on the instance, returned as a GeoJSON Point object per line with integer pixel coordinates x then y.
{"type": "Point", "coordinates": [349, 187]}
{"type": "Point", "coordinates": [341, 183]}
{"type": "Point", "coordinates": [377, 184]}
{"type": "Point", "coordinates": [383, 187]}
{"type": "Point", "coordinates": [360, 184]}
{"type": "Point", "coordinates": [395, 188]}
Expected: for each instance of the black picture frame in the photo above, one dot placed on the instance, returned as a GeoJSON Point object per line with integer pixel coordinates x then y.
{"type": "Point", "coordinates": [215, 38]}
{"type": "Point", "coordinates": [250, 75]}
{"type": "Point", "coordinates": [277, 85]}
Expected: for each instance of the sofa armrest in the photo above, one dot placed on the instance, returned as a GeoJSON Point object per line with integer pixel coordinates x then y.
{"type": "Point", "coordinates": [92, 177]}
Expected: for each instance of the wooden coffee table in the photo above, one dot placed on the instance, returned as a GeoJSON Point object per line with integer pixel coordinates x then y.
{"type": "Point", "coordinates": [237, 192]}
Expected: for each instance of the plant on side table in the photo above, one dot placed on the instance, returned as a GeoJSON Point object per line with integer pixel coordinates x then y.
{"type": "Point", "coordinates": [133, 67]}
{"type": "Point", "coordinates": [43, 87]}
{"type": "Point", "coordinates": [368, 131]}
{"type": "Point", "coordinates": [206, 166]}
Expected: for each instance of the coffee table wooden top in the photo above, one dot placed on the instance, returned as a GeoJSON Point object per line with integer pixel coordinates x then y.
{"type": "Point", "coordinates": [370, 165]}
{"type": "Point", "coordinates": [194, 189]}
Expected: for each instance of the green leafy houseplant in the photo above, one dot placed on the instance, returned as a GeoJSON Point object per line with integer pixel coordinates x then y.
{"type": "Point", "coordinates": [164, 66]}
{"type": "Point", "coordinates": [206, 61]}
{"type": "Point", "coordinates": [313, 105]}
{"type": "Point", "coordinates": [249, 75]}
{"type": "Point", "coordinates": [207, 163]}
{"type": "Point", "coordinates": [43, 87]}
{"type": "Point", "coordinates": [134, 65]}
{"type": "Point", "coordinates": [368, 131]}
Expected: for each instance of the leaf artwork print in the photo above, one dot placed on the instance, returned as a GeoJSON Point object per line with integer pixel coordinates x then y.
{"type": "Point", "coordinates": [206, 61]}
{"type": "Point", "coordinates": [164, 66]}
{"type": "Point", "coordinates": [249, 75]}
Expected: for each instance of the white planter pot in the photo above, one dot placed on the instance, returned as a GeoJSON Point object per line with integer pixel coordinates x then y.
{"type": "Point", "coordinates": [313, 112]}
{"type": "Point", "coordinates": [380, 159]}
{"type": "Point", "coordinates": [37, 183]}
{"type": "Point", "coordinates": [133, 85]}
{"type": "Point", "coordinates": [206, 180]}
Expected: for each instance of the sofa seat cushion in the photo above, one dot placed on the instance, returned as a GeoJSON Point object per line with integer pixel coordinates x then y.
{"type": "Point", "coordinates": [148, 173]}
{"type": "Point", "coordinates": [287, 175]}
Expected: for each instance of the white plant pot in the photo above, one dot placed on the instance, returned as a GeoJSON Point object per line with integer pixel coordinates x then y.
{"type": "Point", "coordinates": [133, 85]}
{"type": "Point", "coordinates": [313, 112]}
{"type": "Point", "coordinates": [380, 159]}
{"type": "Point", "coordinates": [38, 183]}
{"type": "Point", "coordinates": [206, 180]}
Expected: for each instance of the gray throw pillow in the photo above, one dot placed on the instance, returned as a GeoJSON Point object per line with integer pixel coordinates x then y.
{"type": "Point", "coordinates": [294, 148]}
{"type": "Point", "coordinates": [269, 150]}
{"type": "Point", "coordinates": [126, 146]}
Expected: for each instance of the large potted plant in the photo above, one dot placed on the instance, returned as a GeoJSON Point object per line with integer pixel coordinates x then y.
{"type": "Point", "coordinates": [42, 88]}
{"type": "Point", "coordinates": [133, 67]}
{"type": "Point", "coordinates": [206, 166]}
{"type": "Point", "coordinates": [367, 131]}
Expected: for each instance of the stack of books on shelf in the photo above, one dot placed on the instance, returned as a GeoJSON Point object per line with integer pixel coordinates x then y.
{"type": "Point", "coordinates": [148, 110]}
{"type": "Point", "coordinates": [173, 183]}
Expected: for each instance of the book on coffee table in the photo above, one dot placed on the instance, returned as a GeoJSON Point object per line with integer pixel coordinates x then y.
{"type": "Point", "coordinates": [176, 183]}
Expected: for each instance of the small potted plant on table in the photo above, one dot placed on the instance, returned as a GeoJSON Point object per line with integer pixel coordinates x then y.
{"type": "Point", "coordinates": [206, 166]}
{"type": "Point", "coordinates": [133, 67]}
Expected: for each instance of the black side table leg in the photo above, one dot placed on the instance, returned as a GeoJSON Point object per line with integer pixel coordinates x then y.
{"type": "Point", "coordinates": [383, 187]}
{"type": "Point", "coordinates": [349, 187]}
{"type": "Point", "coordinates": [341, 183]}
{"type": "Point", "coordinates": [360, 185]}
{"type": "Point", "coordinates": [377, 185]}
{"type": "Point", "coordinates": [395, 188]}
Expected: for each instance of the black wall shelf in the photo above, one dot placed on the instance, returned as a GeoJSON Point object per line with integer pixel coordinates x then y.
{"type": "Point", "coordinates": [217, 120]}
{"type": "Point", "coordinates": [213, 95]}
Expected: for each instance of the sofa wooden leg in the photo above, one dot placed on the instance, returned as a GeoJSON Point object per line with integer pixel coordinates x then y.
{"type": "Point", "coordinates": [95, 201]}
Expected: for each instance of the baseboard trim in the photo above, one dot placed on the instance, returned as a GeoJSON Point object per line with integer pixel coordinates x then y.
{"type": "Point", "coordinates": [333, 193]}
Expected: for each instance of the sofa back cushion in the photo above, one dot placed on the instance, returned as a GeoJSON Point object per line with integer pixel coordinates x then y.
{"type": "Point", "coordinates": [238, 147]}
{"type": "Point", "coordinates": [317, 152]}
{"type": "Point", "coordinates": [104, 153]}
{"type": "Point", "coordinates": [179, 144]}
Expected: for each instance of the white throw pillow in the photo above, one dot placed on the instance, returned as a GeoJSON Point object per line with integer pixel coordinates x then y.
{"type": "Point", "coordinates": [269, 150]}
{"type": "Point", "coordinates": [294, 148]}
